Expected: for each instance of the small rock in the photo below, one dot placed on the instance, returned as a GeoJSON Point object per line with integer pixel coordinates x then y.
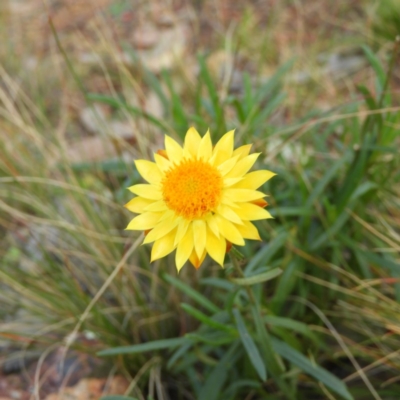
{"type": "Point", "coordinates": [165, 20]}
{"type": "Point", "coordinates": [341, 65]}
{"type": "Point", "coordinates": [93, 118]}
{"type": "Point", "coordinates": [146, 37]}
{"type": "Point", "coordinates": [169, 49]}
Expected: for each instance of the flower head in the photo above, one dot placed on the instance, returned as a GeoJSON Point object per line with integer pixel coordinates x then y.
{"type": "Point", "coordinates": [199, 199]}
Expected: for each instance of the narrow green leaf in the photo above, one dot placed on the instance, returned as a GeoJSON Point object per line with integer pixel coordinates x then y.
{"type": "Point", "coordinates": [193, 294]}
{"type": "Point", "coordinates": [324, 181]}
{"type": "Point", "coordinates": [178, 111]}
{"type": "Point", "coordinates": [266, 111]}
{"type": "Point", "coordinates": [212, 387]}
{"type": "Point", "coordinates": [319, 373]}
{"type": "Point", "coordinates": [286, 284]}
{"type": "Point", "coordinates": [270, 356]}
{"type": "Point", "coordinates": [218, 283]}
{"type": "Point", "coordinates": [377, 66]}
{"type": "Point", "coordinates": [250, 346]}
{"type": "Point", "coordinates": [205, 319]}
{"type": "Point", "coordinates": [179, 353]}
{"type": "Point", "coordinates": [332, 230]}
{"type": "Point", "coordinates": [234, 387]}
{"type": "Point", "coordinates": [266, 252]}
{"type": "Point", "coordinates": [248, 100]}
{"type": "Point", "coordinates": [291, 211]}
{"type": "Point", "coordinates": [264, 277]}
{"type": "Point", "coordinates": [216, 338]}
{"type": "Point", "coordinates": [143, 347]}
{"type": "Point", "coordinates": [274, 81]}
{"type": "Point", "coordinates": [213, 92]}
{"type": "Point", "coordinates": [291, 324]}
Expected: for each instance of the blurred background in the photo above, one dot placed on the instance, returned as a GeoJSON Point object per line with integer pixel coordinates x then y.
{"type": "Point", "coordinates": [87, 87]}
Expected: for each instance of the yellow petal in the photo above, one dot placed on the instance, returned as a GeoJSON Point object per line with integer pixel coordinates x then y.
{"type": "Point", "coordinates": [182, 228]}
{"type": "Point", "coordinates": [173, 149]}
{"type": "Point", "coordinates": [205, 147]}
{"type": "Point", "coordinates": [162, 163]}
{"type": "Point", "coordinates": [138, 204]}
{"type": "Point", "coordinates": [248, 231]}
{"type": "Point", "coordinates": [229, 231]}
{"type": "Point", "coordinates": [163, 246]}
{"type": "Point", "coordinates": [216, 247]}
{"type": "Point", "coordinates": [192, 141]}
{"type": "Point", "coordinates": [241, 195]}
{"type": "Point", "coordinates": [199, 236]}
{"type": "Point", "coordinates": [223, 149]}
{"type": "Point", "coordinates": [212, 224]}
{"type": "Point", "coordinates": [149, 171]}
{"type": "Point", "coordinates": [184, 249]}
{"type": "Point", "coordinates": [231, 181]}
{"type": "Point", "coordinates": [227, 212]}
{"type": "Point", "coordinates": [242, 151]}
{"type": "Point", "coordinates": [248, 211]}
{"type": "Point", "coordinates": [196, 260]}
{"type": "Point", "coordinates": [145, 221]}
{"type": "Point", "coordinates": [253, 180]}
{"type": "Point", "coordinates": [243, 166]}
{"type": "Point", "coordinates": [157, 206]}
{"type": "Point", "coordinates": [227, 165]}
{"type": "Point", "coordinates": [161, 229]}
{"type": "Point", "coordinates": [147, 191]}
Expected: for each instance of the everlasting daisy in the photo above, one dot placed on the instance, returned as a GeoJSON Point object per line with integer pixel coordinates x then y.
{"type": "Point", "coordinates": [199, 199]}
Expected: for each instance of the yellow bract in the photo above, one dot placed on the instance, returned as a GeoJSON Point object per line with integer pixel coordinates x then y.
{"type": "Point", "coordinates": [198, 199]}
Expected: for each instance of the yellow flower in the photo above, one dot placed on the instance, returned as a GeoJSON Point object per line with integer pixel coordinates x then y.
{"type": "Point", "coordinates": [199, 199]}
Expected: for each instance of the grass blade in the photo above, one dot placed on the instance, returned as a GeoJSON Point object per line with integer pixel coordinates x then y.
{"type": "Point", "coordinates": [216, 379]}
{"type": "Point", "coordinates": [250, 346]}
{"type": "Point", "coordinates": [320, 374]}
{"type": "Point", "coordinates": [206, 319]}
{"type": "Point", "coordinates": [193, 294]}
{"type": "Point", "coordinates": [264, 277]}
{"type": "Point", "coordinates": [143, 347]}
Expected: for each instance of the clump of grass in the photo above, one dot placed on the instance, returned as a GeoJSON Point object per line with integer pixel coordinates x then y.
{"type": "Point", "coordinates": [212, 334]}
{"type": "Point", "coordinates": [387, 20]}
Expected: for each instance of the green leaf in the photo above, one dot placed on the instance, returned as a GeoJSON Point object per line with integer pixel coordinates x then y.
{"type": "Point", "coordinates": [205, 319]}
{"type": "Point", "coordinates": [213, 92]}
{"type": "Point", "coordinates": [265, 89]}
{"type": "Point", "coordinates": [196, 296]}
{"type": "Point", "coordinates": [291, 212]}
{"type": "Point", "coordinates": [377, 66]}
{"type": "Point", "coordinates": [143, 347]}
{"type": "Point", "coordinates": [250, 346]}
{"type": "Point", "coordinates": [218, 283]}
{"type": "Point", "coordinates": [217, 377]}
{"type": "Point", "coordinates": [178, 354]}
{"type": "Point", "coordinates": [178, 112]}
{"type": "Point", "coordinates": [291, 325]}
{"type": "Point", "coordinates": [216, 338]}
{"type": "Point", "coordinates": [264, 277]}
{"type": "Point", "coordinates": [266, 252]}
{"type": "Point", "coordinates": [319, 373]}
{"type": "Point", "coordinates": [324, 181]}
{"type": "Point", "coordinates": [286, 284]}
{"type": "Point", "coordinates": [276, 368]}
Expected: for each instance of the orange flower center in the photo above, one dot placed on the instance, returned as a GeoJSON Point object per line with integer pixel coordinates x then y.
{"type": "Point", "coordinates": [192, 189]}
